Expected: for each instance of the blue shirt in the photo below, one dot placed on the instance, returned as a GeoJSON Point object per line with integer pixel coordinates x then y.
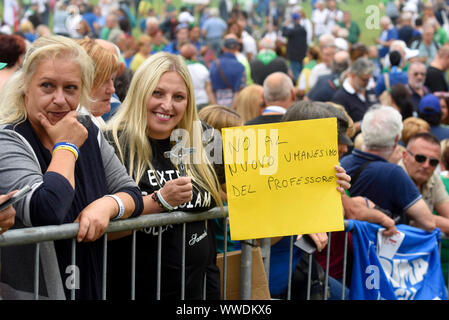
{"type": "Point", "coordinates": [232, 69]}
{"type": "Point", "coordinates": [384, 183]}
{"type": "Point", "coordinates": [440, 131]}
{"type": "Point", "coordinates": [279, 261]}
{"type": "Point", "coordinates": [394, 76]}
{"type": "Point", "coordinates": [390, 34]}
{"type": "Point", "coordinates": [215, 27]}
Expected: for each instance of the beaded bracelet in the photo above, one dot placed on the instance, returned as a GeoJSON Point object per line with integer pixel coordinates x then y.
{"type": "Point", "coordinates": [67, 146]}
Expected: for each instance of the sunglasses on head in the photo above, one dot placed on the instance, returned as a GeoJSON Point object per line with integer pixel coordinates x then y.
{"type": "Point", "coordinates": [420, 158]}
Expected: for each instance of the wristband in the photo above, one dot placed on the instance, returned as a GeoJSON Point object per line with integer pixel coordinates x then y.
{"type": "Point", "coordinates": [121, 206]}
{"type": "Point", "coordinates": [156, 199]}
{"type": "Point", "coordinates": [67, 146]}
{"type": "Point", "coordinates": [164, 203]}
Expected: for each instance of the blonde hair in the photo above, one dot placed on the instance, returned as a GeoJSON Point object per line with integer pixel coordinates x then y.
{"type": "Point", "coordinates": [129, 124]}
{"type": "Point", "coordinates": [219, 117]}
{"type": "Point", "coordinates": [249, 102]}
{"type": "Point", "coordinates": [413, 126]}
{"type": "Point", "coordinates": [106, 62]}
{"type": "Point", "coordinates": [12, 96]}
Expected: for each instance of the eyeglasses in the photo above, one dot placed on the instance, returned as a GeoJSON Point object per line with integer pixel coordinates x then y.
{"type": "Point", "coordinates": [419, 74]}
{"type": "Point", "coordinates": [420, 158]}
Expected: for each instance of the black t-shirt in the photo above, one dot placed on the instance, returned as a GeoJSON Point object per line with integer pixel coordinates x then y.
{"type": "Point", "coordinates": [200, 244]}
{"type": "Point", "coordinates": [436, 80]}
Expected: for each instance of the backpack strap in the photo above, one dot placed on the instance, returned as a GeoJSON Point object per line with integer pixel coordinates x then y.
{"type": "Point", "coordinates": [359, 170]}
{"type": "Point", "coordinates": [222, 75]}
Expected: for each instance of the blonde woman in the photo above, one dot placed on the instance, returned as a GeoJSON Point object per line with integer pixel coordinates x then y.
{"type": "Point", "coordinates": [249, 103]}
{"type": "Point", "coordinates": [73, 172]}
{"type": "Point", "coordinates": [107, 66]}
{"type": "Point", "coordinates": [144, 45]}
{"type": "Point", "coordinates": [160, 104]}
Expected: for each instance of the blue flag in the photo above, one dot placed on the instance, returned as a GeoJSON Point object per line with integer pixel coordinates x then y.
{"type": "Point", "coordinates": [402, 267]}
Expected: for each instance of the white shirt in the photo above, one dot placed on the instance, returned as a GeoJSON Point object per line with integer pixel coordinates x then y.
{"type": "Point", "coordinates": [10, 12]}
{"type": "Point", "coordinates": [319, 70]}
{"type": "Point", "coordinates": [249, 44]}
{"type": "Point", "coordinates": [200, 76]}
{"type": "Point", "coordinates": [319, 18]}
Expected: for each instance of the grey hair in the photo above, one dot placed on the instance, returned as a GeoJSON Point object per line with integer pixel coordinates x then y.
{"type": "Point", "coordinates": [277, 87]}
{"type": "Point", "coordinates": [362, 66]}
{"type": "Point", "coordinates": [151, 20]}
{"type": "Point", "coordinates": [380, 126]}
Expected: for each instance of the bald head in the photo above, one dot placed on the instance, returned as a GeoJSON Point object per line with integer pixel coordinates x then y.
{"type": "Point", "coordinates": [279, 90]}
{"type": "Point", "coordinates": [340, 62]}
{"type": "Point", "coordinates": [188, 51]}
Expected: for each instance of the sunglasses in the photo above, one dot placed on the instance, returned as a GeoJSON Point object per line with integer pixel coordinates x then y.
{"type": "Point", "coordinates": [419, 74]}
{"type": "Point", "coordinates": [420, 158]}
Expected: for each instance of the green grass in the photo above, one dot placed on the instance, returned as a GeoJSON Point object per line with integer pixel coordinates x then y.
{"type": "Point", "coordinates": [356, 7]}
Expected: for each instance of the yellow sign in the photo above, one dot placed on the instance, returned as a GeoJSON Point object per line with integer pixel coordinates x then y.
{"type": "Point", "coordinates": [280, 179]}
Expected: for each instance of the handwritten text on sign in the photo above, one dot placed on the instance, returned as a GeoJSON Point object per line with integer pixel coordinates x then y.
{"type": "Point", "coordinates": [280, 179]}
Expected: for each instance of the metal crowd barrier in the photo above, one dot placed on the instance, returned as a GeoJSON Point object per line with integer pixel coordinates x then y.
{"type": "Point", "coordinates": [36, 235]}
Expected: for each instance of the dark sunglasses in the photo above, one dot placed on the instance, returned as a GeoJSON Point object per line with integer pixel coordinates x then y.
{"type": "Point", "coordinates": [420, 158]}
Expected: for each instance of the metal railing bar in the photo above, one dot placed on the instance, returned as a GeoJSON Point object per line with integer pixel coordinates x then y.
{"type": "Point", "coordinates": [105, 264]}
{"type": "Point", "coordinates": [70, 230]}
{"type": "Point", "coordinates": [290, 263]}
{"type": "Point", "coordinates": [183, 262]}
{"type": "Point", "coordinates": [225, 258]}
{"type": "Point", "coordinates": [133, 266]}
{"type": "Point", "coordinates": [159, 263]}
{"type": "Point", "coordinates": [72, 290]}
{"type": "Point", "coordinates": [326, 277]}
{"type": "Point", "coordinates": [36, 271]}
{"type": "Point", "coordinates": [309, 277]}
{"type": "Point", "coordinates": [345, 261]}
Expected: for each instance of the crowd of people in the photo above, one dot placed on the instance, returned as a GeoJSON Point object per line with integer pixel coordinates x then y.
{"type": "Point", "coordinates": [90, 97]}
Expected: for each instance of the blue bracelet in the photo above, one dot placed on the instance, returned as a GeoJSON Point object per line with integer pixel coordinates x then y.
{"type": "Point", "coordinates": [66, 144]}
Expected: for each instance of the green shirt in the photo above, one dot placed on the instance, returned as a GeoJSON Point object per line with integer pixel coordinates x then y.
{"type": "Point", "coordinates": [354, 31]}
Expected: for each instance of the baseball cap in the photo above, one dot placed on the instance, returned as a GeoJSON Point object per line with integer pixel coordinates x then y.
{"type": "Point", "coordinates": [3, 65]}
{"type": "Point", "coordinates": [182, 26]}
{"type": "Point", "coordinates": [295, 16]}
{"type": "Point", "coordinates": [231, 43]}
{"type": "Point", "coordinates": [429, 105]}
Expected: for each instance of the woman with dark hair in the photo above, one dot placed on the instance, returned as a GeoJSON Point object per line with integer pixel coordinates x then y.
{"type": "Point", "coordinates": [444, 104]}
{"type": "Point", "coordinates": [401, 99]}
{"type": "Point", "coordinates": [12, 50]}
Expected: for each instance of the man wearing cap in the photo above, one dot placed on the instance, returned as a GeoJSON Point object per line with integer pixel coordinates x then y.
{"type": "Point", "coordinates": [429, 109]}
{"type": "Point", "coordinates": [227, 74]}
{"type": "Point", "coordinates": [296, 36]}
{"type": "Point", "coordinates": [383, 182]}
{"type": "Point", "coordinates": [420, 160]}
